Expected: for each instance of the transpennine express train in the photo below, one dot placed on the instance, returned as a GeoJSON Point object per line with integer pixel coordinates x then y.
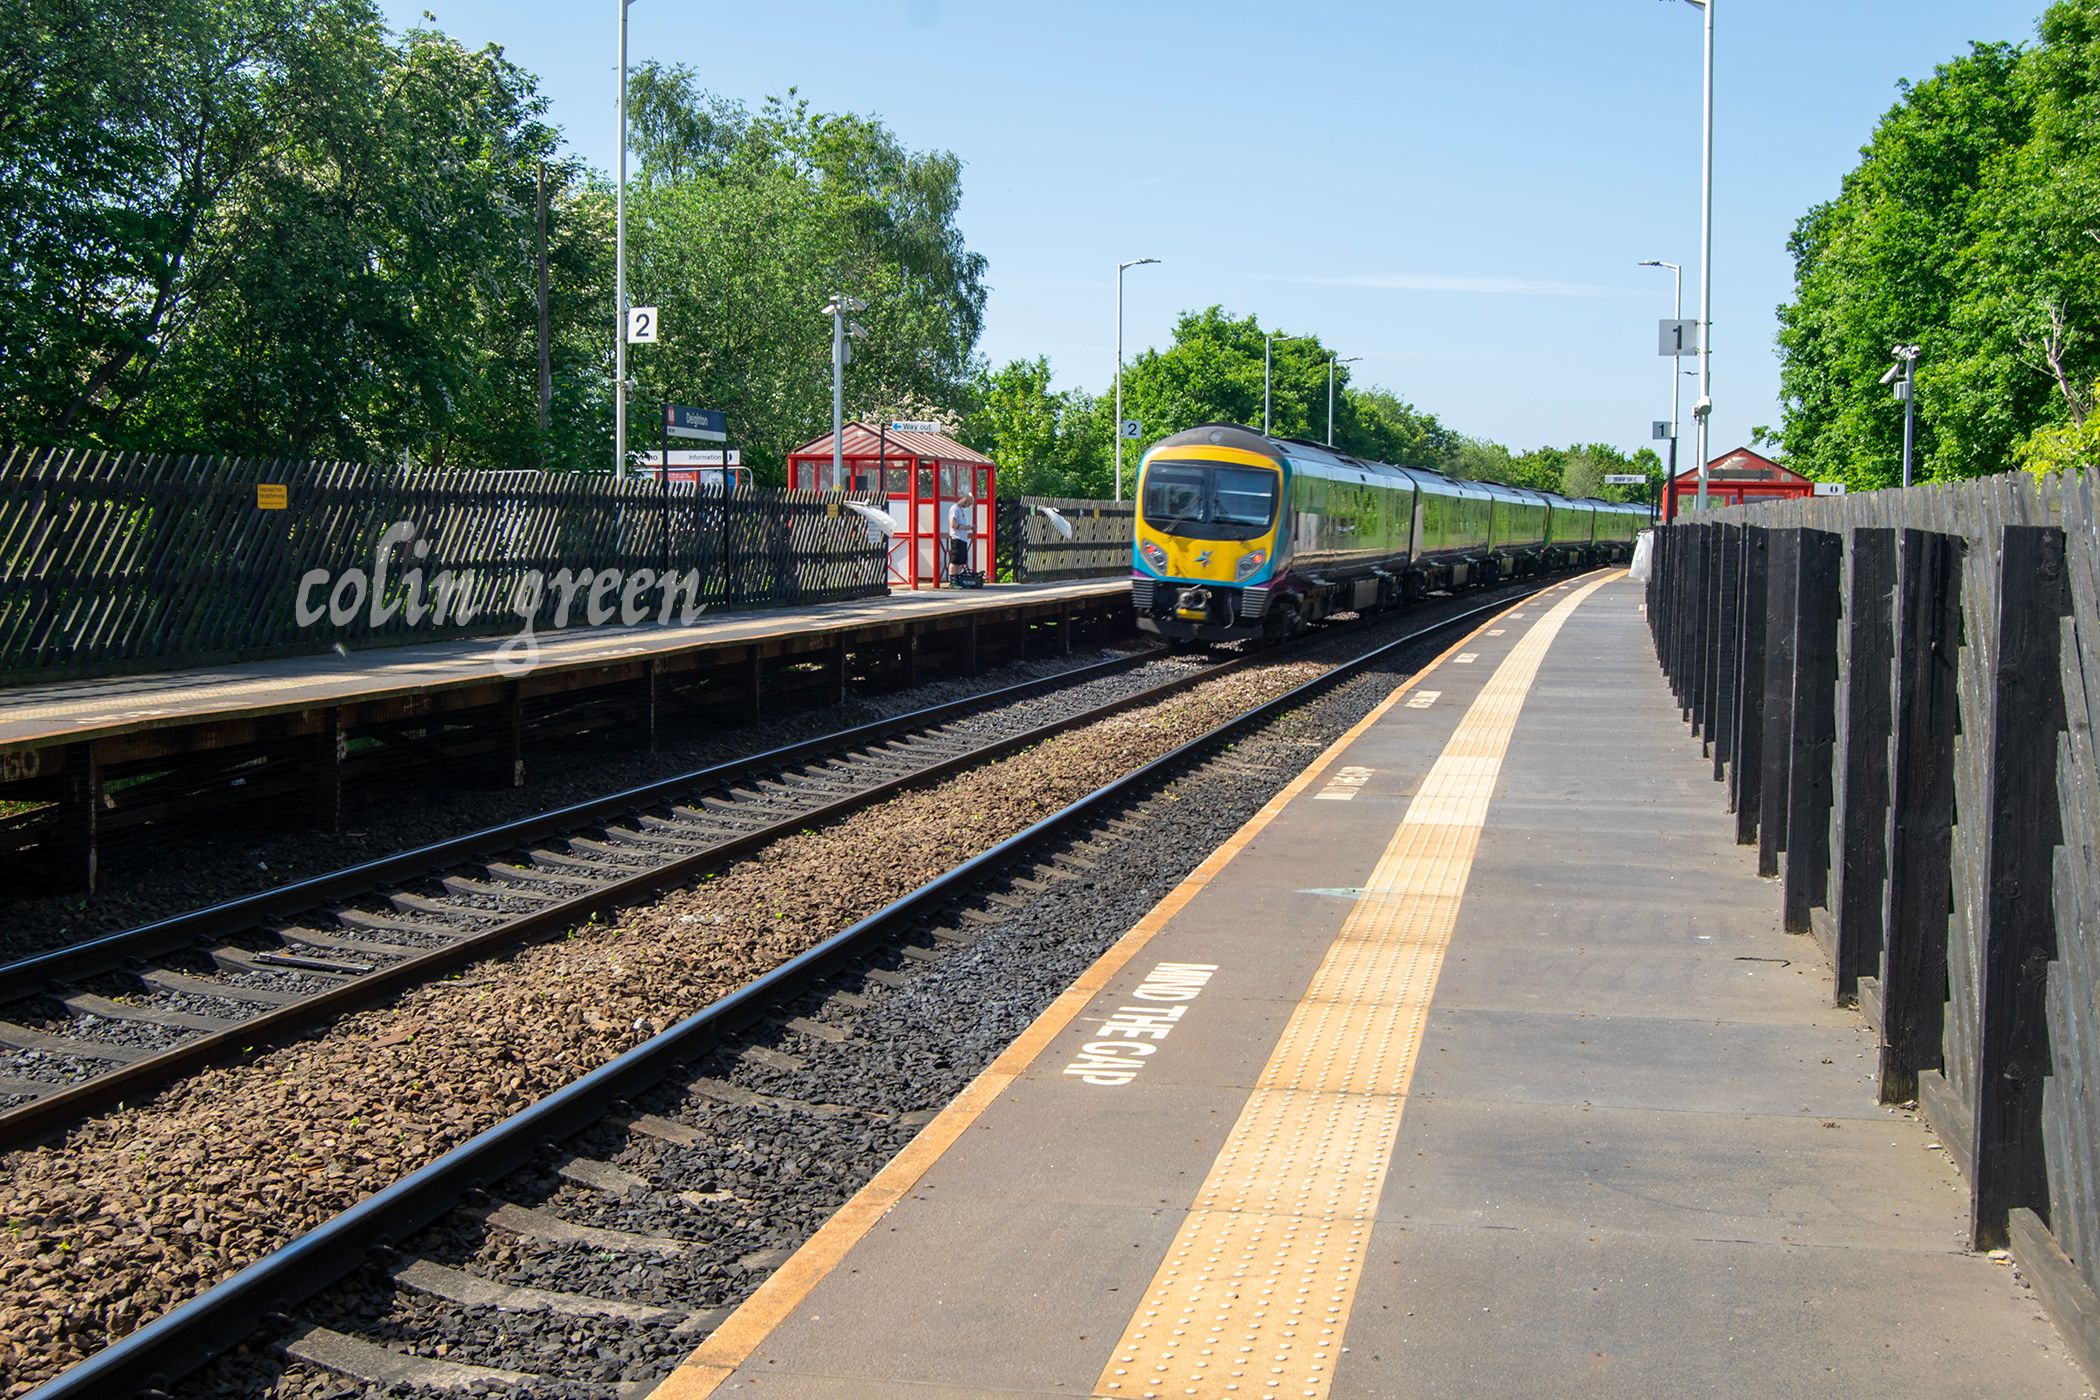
{"type": "Point", "coordinates": [1242, 535]}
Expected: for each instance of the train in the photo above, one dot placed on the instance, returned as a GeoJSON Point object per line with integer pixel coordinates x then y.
{"type": "Point", "coordinates": [1243, 535]}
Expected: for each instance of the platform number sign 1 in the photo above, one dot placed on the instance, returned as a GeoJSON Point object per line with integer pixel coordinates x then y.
{"type": "Point", "coordinates": [1676, 339]}
{"type": "Point", "coordinates": [641, 325]}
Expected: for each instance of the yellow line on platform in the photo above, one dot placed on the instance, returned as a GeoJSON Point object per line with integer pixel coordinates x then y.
{"type": "Point", "coordinates": [1256, 1289]}
{"type": "Point", "coordinates": [741, 1333]}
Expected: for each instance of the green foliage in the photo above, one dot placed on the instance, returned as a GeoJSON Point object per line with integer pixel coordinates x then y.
{"type": "Point", "coordinates": [1968, 228]}
{"type": "Point", "coordinates": [1046, 442]}
{"type": "Point", "coordinates": [275, 229]}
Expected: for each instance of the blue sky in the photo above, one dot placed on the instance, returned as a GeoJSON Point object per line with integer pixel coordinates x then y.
{"type": "Point", "coordinates": [1456, 192]}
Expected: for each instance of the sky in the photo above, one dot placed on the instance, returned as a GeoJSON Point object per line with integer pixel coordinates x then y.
{"type": "Point", "coordinates": [1456, 192]}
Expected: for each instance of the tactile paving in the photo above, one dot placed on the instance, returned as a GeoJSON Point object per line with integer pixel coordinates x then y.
{"type": "Point", "coordinates": [1254, 1294]}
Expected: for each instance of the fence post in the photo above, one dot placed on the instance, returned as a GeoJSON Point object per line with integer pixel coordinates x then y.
{"type": "Point", "coordinates": [1921, 811]}
{"type": "Point", "coordinates": [2019, 904]}
{"type": "Point", "coordinates": [1782, 625]}
{"type": "Point", "coordinates": [1694, 624]}
{"type": "Point", "coordinates": [1863, 810]}
{"type": "Point", "coordinates": [1710, 648]}
{"type": "Point", "coordinates": [1727, 642]}
{"type": "Point", "coordinates": [1819, 556]}
{"type": "Point", "coordinates": [1746, 776]}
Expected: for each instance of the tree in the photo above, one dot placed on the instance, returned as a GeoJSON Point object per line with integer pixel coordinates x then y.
{"type": "Point", "coordinates": [1045, 442]}
{"type": "Point", "coordinates": [1967, 228]}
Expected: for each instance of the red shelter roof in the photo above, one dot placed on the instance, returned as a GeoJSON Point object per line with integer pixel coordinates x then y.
{"type": "Point", "coordinates": [864, 441]}
{"type": "Point", "coordinates": [1735, 478]}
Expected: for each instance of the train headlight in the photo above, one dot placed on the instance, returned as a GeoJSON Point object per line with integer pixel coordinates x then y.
{"type": "Point", "coordinates": [1154, 555]}
{"type": "Point", "coordinates": [1250, 564]}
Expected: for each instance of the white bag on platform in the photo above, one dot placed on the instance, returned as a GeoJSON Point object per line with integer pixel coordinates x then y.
{"type": "Point", "coordinates": [1643, 552]}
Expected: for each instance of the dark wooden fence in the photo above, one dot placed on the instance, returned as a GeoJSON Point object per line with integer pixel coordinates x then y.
{"type": "Point", "coordinates": [1900, 691]}
{"type": "Point", "coordinates": [1102, 532]}
{"type": "Point", "coordinates": [112, 562]}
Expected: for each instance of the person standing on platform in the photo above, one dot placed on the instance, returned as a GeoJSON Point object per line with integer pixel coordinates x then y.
{"type": "Point", "coordinates": [962, 524]}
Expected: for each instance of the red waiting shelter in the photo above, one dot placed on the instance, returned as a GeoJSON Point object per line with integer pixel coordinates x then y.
{"type": "Point", "coordinates": [1732, 480]}
{"type": "Point", "coordinates": [919, 476]}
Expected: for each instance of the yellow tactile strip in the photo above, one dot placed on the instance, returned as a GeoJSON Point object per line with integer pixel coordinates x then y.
{"type": "Point", "coordinates": [1255, 1291]}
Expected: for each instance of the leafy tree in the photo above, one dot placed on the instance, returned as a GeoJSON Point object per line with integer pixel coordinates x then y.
{"type": "Point", "coordinates": [1047, 443]}
{"type": "Point", "coordinates": [1968, 229]}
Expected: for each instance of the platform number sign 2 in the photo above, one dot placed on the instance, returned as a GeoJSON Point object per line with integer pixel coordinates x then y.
{"type": "Point", "coordinates": [641, 325]}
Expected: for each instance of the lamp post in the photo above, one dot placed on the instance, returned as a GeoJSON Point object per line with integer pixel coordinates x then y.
{"type": "Point", "coordinates": [1703, 409]}
{"type": "Point", "coordinates": [841, 327]}
{"type": "Point", "coordinates": [1268, 372]}
{"type": "Point", "coordinates": [1122, 268]}
{"type": "Point", "coordinates": [620, 263]}
{"type": "Point", "coordinates": [1331, 363]}
{"type": "Point", "coordinates": [1676, 375]}
{"type": "Point", "coordinates": [1904, 375]}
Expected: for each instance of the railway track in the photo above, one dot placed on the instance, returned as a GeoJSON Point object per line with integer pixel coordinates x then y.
{"type": "Point", "coordinates": [806, 1003]}
{"type": "Point", "coordinates": [111, 1017]}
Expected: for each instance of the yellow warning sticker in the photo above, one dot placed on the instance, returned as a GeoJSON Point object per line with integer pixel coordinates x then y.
{"type": "Point", "coordinates": [269, 497]}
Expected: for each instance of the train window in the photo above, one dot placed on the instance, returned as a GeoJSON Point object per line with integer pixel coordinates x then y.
{"type": "Point", "coordinates": [1174, 492]}
{"type": "Point", "coordinates": [1243, 496]}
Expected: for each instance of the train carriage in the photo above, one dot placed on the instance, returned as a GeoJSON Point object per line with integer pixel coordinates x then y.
{"type": "Point", "coordinates": [1242, 535]}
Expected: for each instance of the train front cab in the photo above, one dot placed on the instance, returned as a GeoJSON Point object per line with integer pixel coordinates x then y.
{"type": "Point", "coordinates": [1207, 537]}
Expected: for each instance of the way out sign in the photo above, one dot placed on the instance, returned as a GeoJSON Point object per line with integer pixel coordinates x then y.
{"type": "Point", "coordinates": [641, 325]}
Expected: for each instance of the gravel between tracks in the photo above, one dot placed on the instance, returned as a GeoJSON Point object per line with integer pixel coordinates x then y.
{"type": "Point", "coordinates": [140, 1209]}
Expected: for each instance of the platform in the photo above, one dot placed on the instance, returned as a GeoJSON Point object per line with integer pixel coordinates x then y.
{"type": "Point", "coordinates": [70, 711]}
{"type": "Point", "coordinates": [1477, 1064]}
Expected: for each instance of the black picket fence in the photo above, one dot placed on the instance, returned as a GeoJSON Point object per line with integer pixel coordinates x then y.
{"type": "Point", "coordinates": [114, 562]}
{"type": "Point", "coordinates": [1900, 690]}
{"type": "Point", "coordinates": [1098, 547]}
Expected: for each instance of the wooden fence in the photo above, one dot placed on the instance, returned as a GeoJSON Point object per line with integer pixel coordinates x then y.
{"type": "Point", "coordinates": [114, 562]}
{"type": "Point", "coordinates": [1900, 690]}
{"type": "Point", "coordinates": [1102, 532]}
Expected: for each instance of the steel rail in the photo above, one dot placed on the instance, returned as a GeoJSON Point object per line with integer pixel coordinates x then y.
{"type": "Point", "coordinates": [177, 1343]}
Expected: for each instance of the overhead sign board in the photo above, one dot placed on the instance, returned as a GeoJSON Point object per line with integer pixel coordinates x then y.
{"type": "Point", "coordinates": [1132, 428]}
{"type": "Point", "coordinates": [1625, 479]}
{"type": "Point", "coordinates": [706, 424]}
{"type": "Point", "coordinates": [1676, 337]}
{"type": "Point", "coordinates": [1830, 488]}
{"type": "Point", "coordinates": [915, 425]}
{"type": "Point", "coordinates": [641, 325]}
{"type": "Point", "coordinates": [1664, 429]}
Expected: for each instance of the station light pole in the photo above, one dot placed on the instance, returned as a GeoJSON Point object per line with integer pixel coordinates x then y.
{"type": "Point", "coordinates": [1676, 374]}
{"type": "Point", "coordinates": [620, 261]}
{"type": "Point", "coordinates": [1904, 375]}
{"type": "Point", "coordinates": [1122, 268]}
{"type": "Point", "coordinates": [841, 327]}
{"type": "Point", "coordinates": [1703, 409]}
{"type": "Point", "coordinates": [1268, 372]}
{"type": "Point", "coordinates": [1331, 363]}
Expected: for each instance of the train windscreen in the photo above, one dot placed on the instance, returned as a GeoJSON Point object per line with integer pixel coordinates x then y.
{"type": "Point", "coordinates": [1209, 501]}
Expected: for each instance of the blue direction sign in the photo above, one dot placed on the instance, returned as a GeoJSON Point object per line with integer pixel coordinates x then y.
{"type": "Point", "coordinates": [704, 423]}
